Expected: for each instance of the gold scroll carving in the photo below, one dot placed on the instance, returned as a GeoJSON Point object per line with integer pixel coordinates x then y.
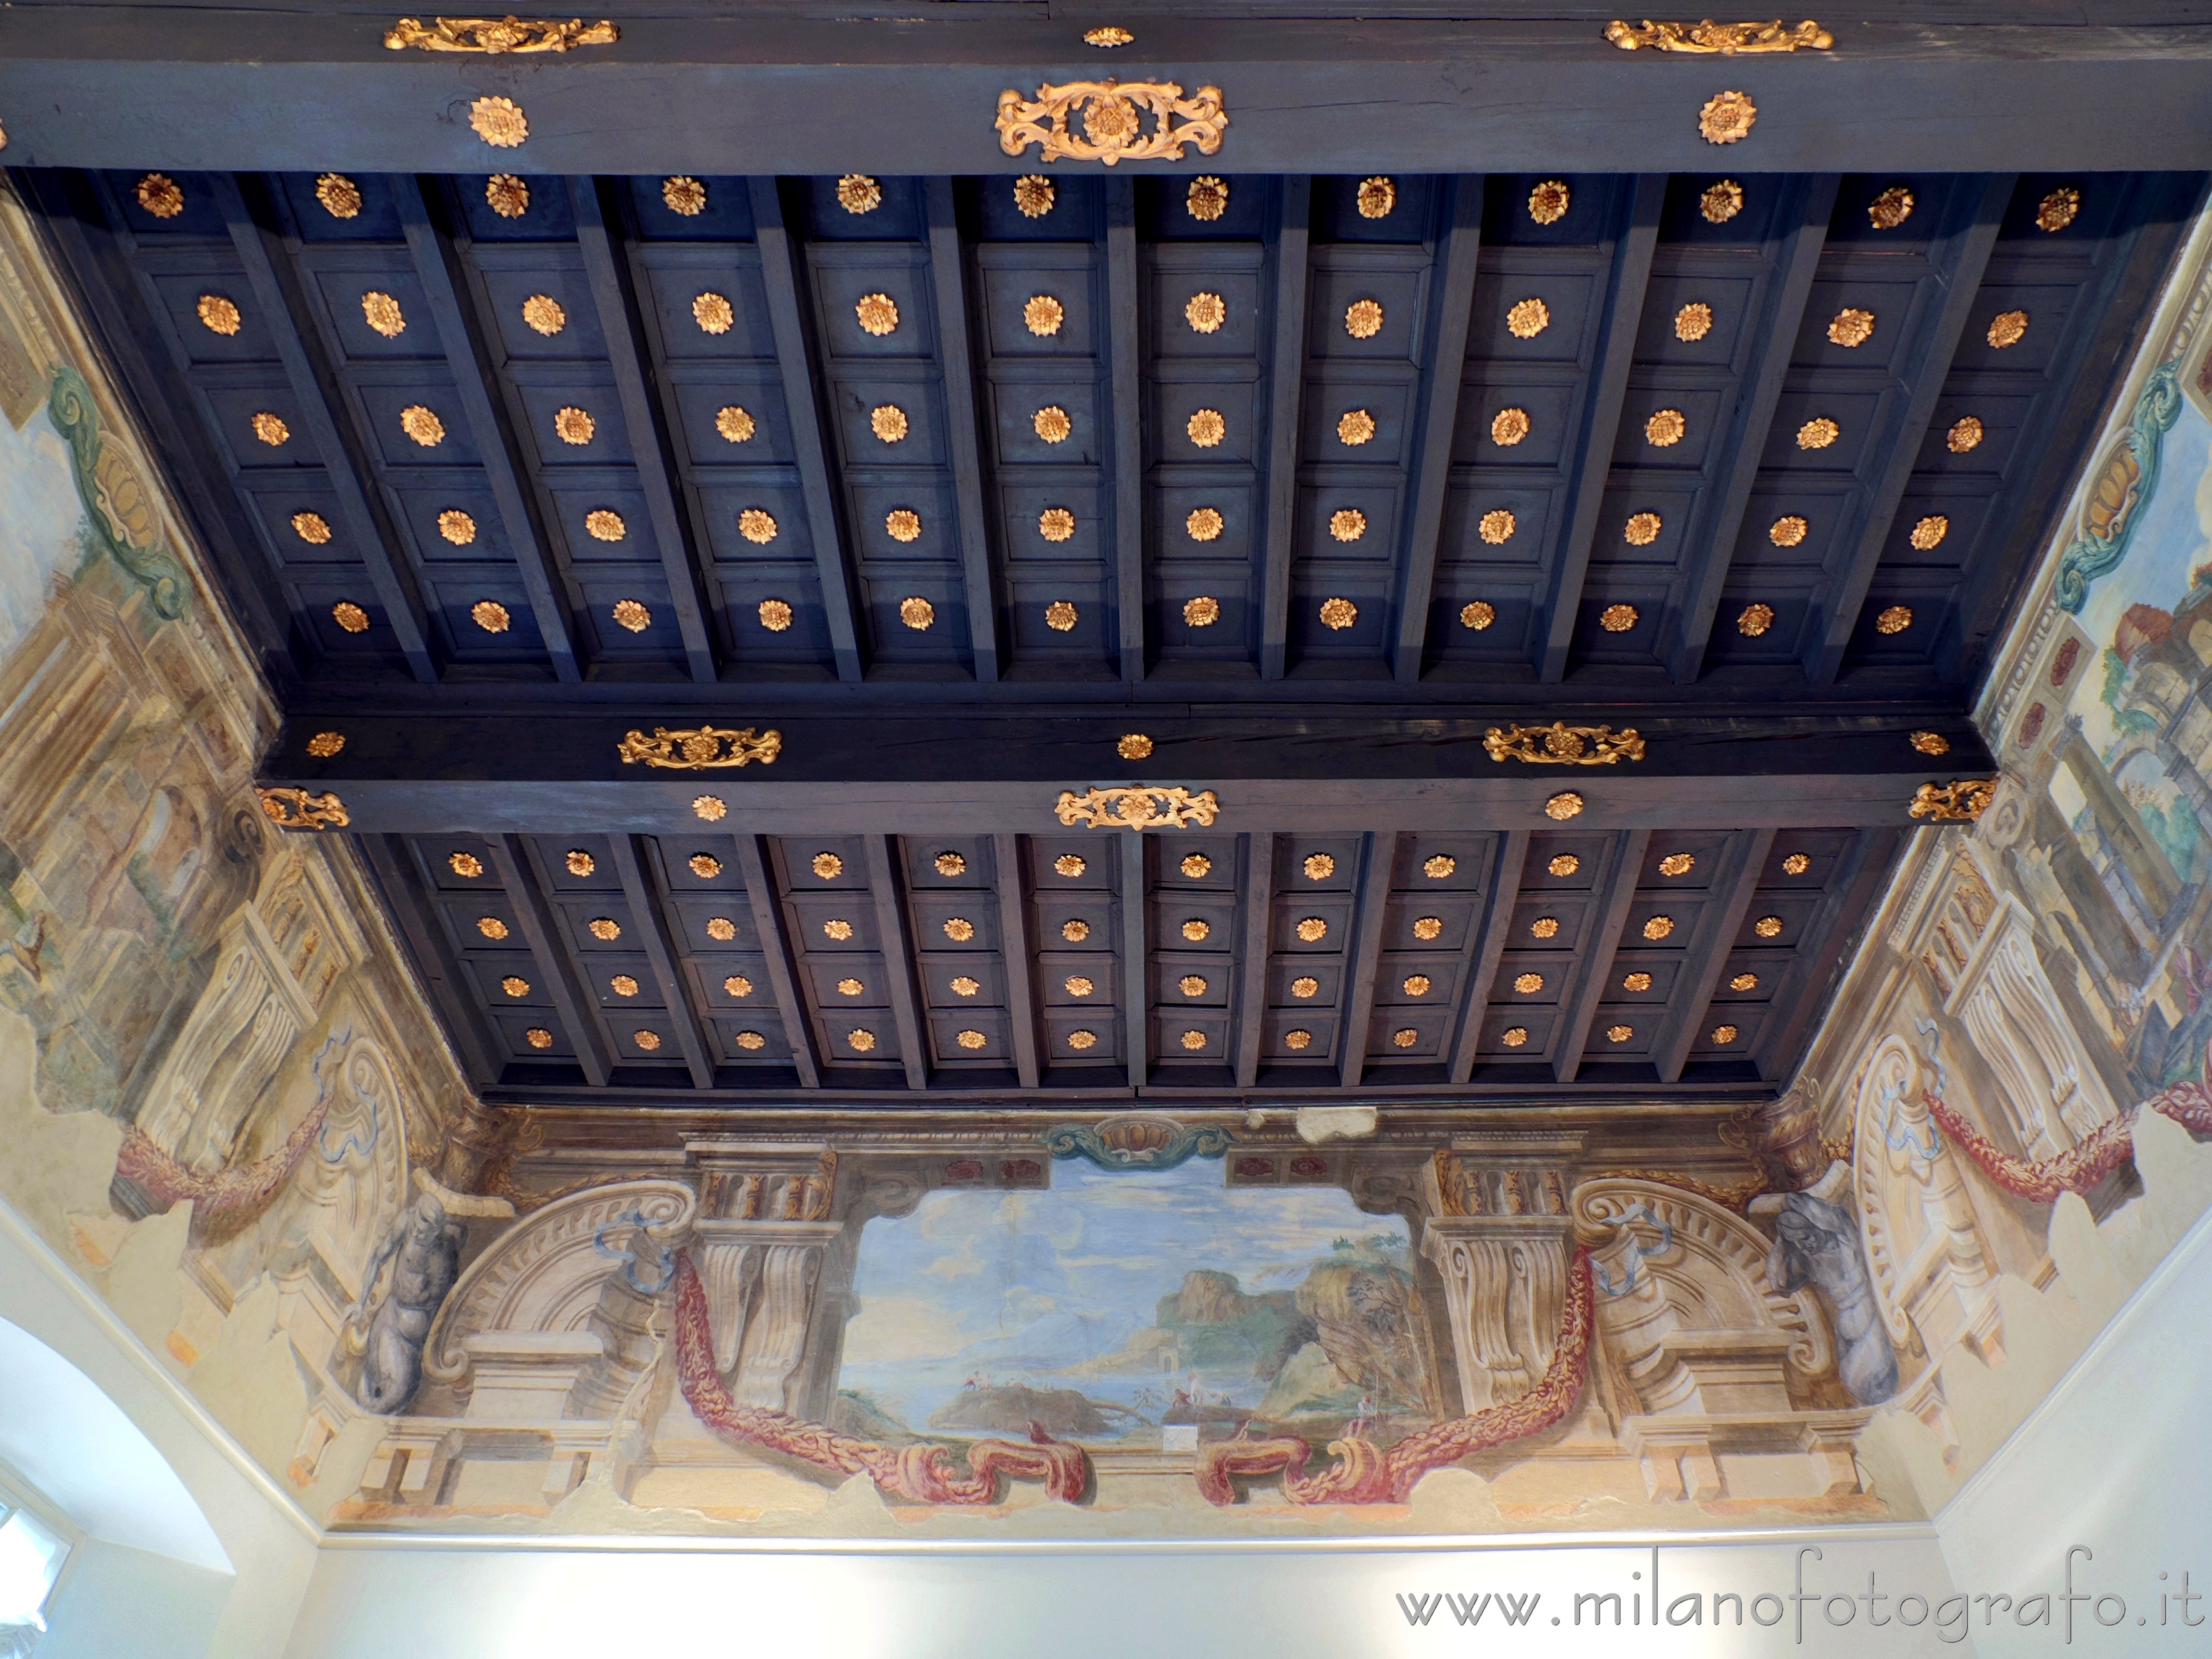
{"type": "Point", "coordinates": [1138, 808]}
{"type": "Point", "coordinates": [700, 750]}
{"type": "Point", "coordinates": [496, 35]}
{"type": "Point", "coordinates": [1104, 121]}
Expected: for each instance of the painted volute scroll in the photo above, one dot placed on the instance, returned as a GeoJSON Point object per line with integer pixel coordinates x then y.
{"type": "Point", "coordinates": [1106, 851]}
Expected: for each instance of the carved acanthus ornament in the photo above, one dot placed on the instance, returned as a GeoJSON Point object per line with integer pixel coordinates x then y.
{"type": "Point", "coordinates": [1709, 39]}
{"type": "Point", "coordinates": [1110, 117]}
{"type": "Point", "coordinates": [1961, 800]}
{"type": "Point", "coordinates": [496, 35]}
{"type": "Point", "coordinates": [303, 809]}
{"type": "Point", "coordinates": [1137, 807]}
{"type": "Point", "coordinates": [1561, 744]}
{"type": "Point", "coordinates": [698, 751]}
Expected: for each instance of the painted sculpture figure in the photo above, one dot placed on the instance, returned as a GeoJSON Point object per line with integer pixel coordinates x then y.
{"type": "Point", "coordinates": [424, 1250]}
{"type": "Point", "coordinates": [1817, 1243]}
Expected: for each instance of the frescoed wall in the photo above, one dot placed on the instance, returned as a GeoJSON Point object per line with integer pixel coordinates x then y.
{"type": "Point", "coordinates": [215, 1083]}
{"type": "Point", "coordinates": [221, 1100]}
{"type": "Point", "coordinates": [2019, 1052]}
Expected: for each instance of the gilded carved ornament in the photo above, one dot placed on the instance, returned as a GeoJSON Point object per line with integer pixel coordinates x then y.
{"type": "Point", "coordinates": [1960, 801]}
{"type": "Point", "coordinates": [303, 809]}
{"type": "Point", "coordinates": [1137, 807]}
{"type": "Point", "coordinates": [1561, 744]}
{"type": "Point", "coordinates": [1709, 39]}
{"type": "Point", "coordinates": [1104, 121]}
{"type": "Point", "coordinates": [496, 35]}
{"type": "Point", "coordinates": [699, 749]}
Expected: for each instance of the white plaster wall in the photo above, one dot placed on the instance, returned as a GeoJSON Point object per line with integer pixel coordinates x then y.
{"type": "Point", "coordinates": [122, 1603]}
{"type": "Point", "coordinates": [2118, 1458]}
{"type": "Point", "coordinates": [269, 1540]}
{"type": "Point", "coordinates": [448, 1600]}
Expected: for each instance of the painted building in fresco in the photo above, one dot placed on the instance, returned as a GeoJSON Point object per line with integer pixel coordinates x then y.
{"type": "Point", "coordinates": [223, 1102]}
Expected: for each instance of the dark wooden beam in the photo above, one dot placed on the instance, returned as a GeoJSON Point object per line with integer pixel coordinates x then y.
{"type": "Point", "coordinates": [825, 525]}
{"type": "Point", "coordinates": [1125, 346]}
{"type": "Point", "coordinates": [949, 282]}
{"type": "Point", "coordinates": [1853, 895]}
{"type": "Point", "coordinates": [1713, 542]}
{"type": "Point", "coordinates": [898, 961]}
{"type": "Point", "coordinates": [1286, 375]}
{"type": "Point", "coordinates": [1590, 465]}
{"type": "Point", "coordinates": [1252, 954]}
{"type": "Point", "coordinates": [1705, 957]}
{"type": "Point", "coordinates": [1014, 942]}
{"type": "Point", "coordinates": [159, 399]}
{"type": "Point", "coordinates": [413, 910]}
{"type": "Point", "coordinates": [636, 377]}
{"type": "Point", "coordinates": [1381, 854]}
{"type": "Point", "coordinates": [1482, 973]}
{"type": "Point", "coordinates": [475, 360]}
{"type": "Point", "coordinates": [1580, 1009]}
{"type": "Point", "coordinates": [776, 946]}
{"type": "Point", "coordinates": [662, 951]}
{"type": "Point", "coordinates": [1430, 90]}
{"type": "Point", "coordinates": [1136, 986]}
{"type": "Point", "coordinates": [1961, 256]}
{"type": "Point", "coordinates": [346, 466]}
{"type": "Point", "coordinates": [1452, 298]}
{"type": "Point", "coordinates": [573, 1000]}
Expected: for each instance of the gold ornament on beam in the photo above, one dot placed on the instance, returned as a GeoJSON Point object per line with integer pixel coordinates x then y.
{"type": "Point", "coordinates": [303, 809]}
{"type": "Point", "coordinates": [496, 35]}
{"type": "Point", "coordinates": [1708, 39]}
{"type": "Point", "coordinates": [1137, 807]}
{"type": "Point", "coordinates": [1561, 744]}
{"type": "Point", "coordinates": [699, 750]}
{"type": "Point", "coordinates": [1962, 800]}
{"type": "Point", "coordinates": [1103, 121]}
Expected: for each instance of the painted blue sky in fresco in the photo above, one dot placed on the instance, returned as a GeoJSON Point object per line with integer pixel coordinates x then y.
{"type": "Point", "coordinates": [1025, 1286]}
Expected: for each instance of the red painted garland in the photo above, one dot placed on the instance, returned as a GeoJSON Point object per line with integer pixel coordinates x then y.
{"type": "Point", "coordinates": [1367, 1474]}
{"type": "Point", "coordinates": [215, 1193]}
{"type": "Point", "coordinates": [2082, 1165]}
{"type": "Point", "coordinates": [921, 1474]}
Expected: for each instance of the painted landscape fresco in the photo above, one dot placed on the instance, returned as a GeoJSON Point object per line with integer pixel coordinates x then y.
{"type": "Point", "coordinates": [1116, 1310]}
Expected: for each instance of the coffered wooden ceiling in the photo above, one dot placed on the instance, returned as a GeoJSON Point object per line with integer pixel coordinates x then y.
{"type": "Point", "coordinates": [1704, 436]}
{"type": "Point", "coordinates": [982, 490]}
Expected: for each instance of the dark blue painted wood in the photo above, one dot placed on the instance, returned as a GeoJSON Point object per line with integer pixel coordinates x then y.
{"type": "Point", "coordinates": [802, 408]}
{"type": "Point", "coordinates": [1379, 854]}
{"type": "Point", "coordinates": [1600, 424]}
{"type": "Point", "coordinates": [409, 902]}
{"type": "Point", "coordinates": [1286, 367]}
{"type": "Point", "coordinates": [949, 288]}
{"type": "Point", "coordinates": [898, 962]}
{"type": "Point", "coordinates": [314, 385]}
{"type": "Point", "coordinates": [1962, 254]}
{"type": "Point", "coordinates": [1486, 944]}
{"type": "Point", "coordinates": [661, 952]}
{"type": "Point", "coordinates": [1713, 533]}
{"type": "Point", "coordinates": [1719, 923]}
{"type": "Point", "coordinates": [1452, 293]}
{"type": "Point", "coordinates": [1136, 990]}
{"type": "Point", "coordinates": [573, 1001]}
{"type": "Point", "coordinates": [651, 440]}
{"type": "Point", "coordinates": [1594, 969]}
{"type": "Point", "coordinates": [469, 352]}
{"type": "Point", "coordinates": [775, 943]}
{"type": "Point", "coordinates": [1126, 466]}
